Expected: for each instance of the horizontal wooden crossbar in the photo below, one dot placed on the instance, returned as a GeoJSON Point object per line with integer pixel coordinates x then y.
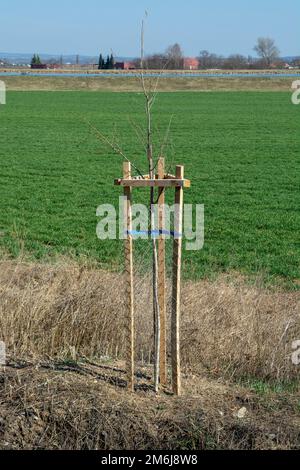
{"type": "Point", "coordinates": [160, 183]}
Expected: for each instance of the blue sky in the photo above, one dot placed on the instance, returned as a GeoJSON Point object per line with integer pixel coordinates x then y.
{"type": "Point", "coordinates": [88, 26]}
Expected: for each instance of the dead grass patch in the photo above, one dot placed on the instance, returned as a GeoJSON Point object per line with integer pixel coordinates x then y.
{"type": "Point", "coordinates": [70, 311]}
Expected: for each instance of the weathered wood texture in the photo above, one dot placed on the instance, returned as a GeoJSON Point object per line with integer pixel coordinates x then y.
{"type": "Point", "coordinates": [163, 183]}
{"type": "Point", "coordinates": [175, 318]}
{"type": "Point", "coordinates": [128, 245]}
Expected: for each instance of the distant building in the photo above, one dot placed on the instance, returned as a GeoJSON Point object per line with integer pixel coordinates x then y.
{"type": "Point", "coordinates": [124, 66]}
{"type": "Point", "coordinates": [39, 66]}
{"type": "Point", "coordinates": [289, 67]}
{"type": "Point", "coordinates": [279, 64]}
{"type": "Point", "coordinates": [190, 63]}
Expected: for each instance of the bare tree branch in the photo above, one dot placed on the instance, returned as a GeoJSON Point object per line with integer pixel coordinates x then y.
{"type": "Point", "coordinates": [139, 132]}
{"type": "Point", "coordinates": [166, 137]}
{"type": "Point", "coordinates": [114, 146]}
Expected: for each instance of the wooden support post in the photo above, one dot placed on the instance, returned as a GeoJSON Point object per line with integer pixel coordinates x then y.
{"type": "Point", "coordinates": [129, 280]}
{"type": "Point", "coordinates": [162, 276]}
{"type": "Point", "coordinates": [175, 320]}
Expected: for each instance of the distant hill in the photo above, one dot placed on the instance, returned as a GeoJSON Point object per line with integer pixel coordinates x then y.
{"type": "Point", "coordinates": [290, 58]}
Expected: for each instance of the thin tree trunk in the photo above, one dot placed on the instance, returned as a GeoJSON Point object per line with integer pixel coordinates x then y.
{"type": "Point", "coordinates": [156, 313]}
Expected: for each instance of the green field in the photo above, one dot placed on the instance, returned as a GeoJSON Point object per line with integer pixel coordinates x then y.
{"type": "Point", "coordinates": [240, 149]}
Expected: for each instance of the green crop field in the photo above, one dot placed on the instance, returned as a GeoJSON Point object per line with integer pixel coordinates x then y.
{"type": "Point", "coordinates": [240, 149]}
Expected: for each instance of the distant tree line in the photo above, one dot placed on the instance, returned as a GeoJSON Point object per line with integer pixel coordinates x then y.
{"type": "Point", "coordinates": [265, 48]}
{"type": "Point", "coordinates": [106, 64]}
{"type": "Point", "coordinates": [171, 59]}
{"type": "Point", "coordinates": [268, 56]}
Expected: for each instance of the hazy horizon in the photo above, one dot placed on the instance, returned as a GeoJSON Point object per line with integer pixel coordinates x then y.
{"type": "Point", "coordinates": [9, 55]}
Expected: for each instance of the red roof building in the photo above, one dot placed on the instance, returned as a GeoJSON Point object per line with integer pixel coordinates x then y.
{"type": "Point", "coordinates": [190, 63]}
{"type": "Point", "coordinates": [124, 65]}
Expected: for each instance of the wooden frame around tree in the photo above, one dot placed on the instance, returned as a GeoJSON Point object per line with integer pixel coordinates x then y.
{"type": "Point", "coordinates": [162, 181]}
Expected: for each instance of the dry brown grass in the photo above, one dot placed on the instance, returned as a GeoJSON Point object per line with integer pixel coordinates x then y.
{"type": "Point", "coordinates": [129, 84]}
{"type": "Point", "coordinates": [58, 392]}
{"type": "Point", "coordinates": [69, 311]}
{"type": "Point", "coordinates": [241, 330]}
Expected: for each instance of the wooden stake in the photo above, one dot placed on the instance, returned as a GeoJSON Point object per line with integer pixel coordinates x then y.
{"type": "Point", "coordinates": [162, 276]}
{"type": "Point", "coordinates": [129, 280]}
{"type": "Point", "coordinates": [175, 320]}
{"type": "Point", "coordinates": [154, 183]}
